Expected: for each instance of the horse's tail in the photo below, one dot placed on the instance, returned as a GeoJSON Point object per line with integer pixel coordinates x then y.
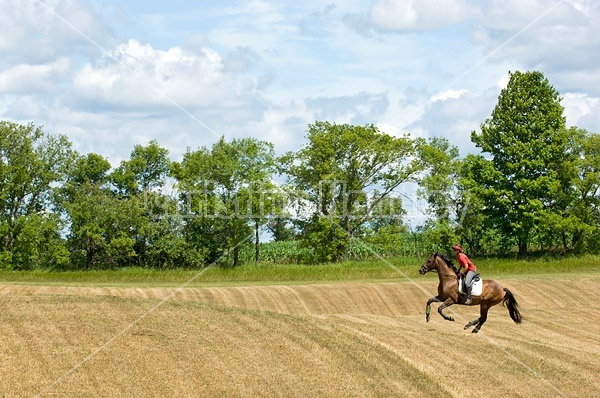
{"type": "Point", "coordinates": [510, 302]}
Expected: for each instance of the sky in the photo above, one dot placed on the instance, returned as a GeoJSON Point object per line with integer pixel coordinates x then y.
{"type": "Point", "coordinates": [114, 74]}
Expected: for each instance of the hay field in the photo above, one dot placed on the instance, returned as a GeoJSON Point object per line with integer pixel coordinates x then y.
{"type": "Point", "coordinates": [321, 340]}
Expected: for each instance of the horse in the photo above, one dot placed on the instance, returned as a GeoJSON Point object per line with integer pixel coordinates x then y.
{"type": "Point", "coordinates": [492, 293]}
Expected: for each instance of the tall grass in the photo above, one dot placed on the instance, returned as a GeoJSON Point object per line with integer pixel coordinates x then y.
{"type": "Point", "coordinates": [393, 269]}
{"type": "Point", "coordinates": [589, 264]}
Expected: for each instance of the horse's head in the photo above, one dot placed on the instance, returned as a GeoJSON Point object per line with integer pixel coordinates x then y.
{"type": "Point", "coordinates": [429, 265]}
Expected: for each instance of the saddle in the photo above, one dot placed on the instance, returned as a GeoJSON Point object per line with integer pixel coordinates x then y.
{"type": "Point", "coordinates": [476, 286]}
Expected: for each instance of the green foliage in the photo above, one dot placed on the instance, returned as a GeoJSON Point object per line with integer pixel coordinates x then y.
{"type": "Point", "coordinates": [527, 141]}
{"type": "Point", "coordinates": [160, 240]}
{"type": "Point", "coordinates": [535, 187]}
{"type": "Point", "coordinates": [146, 169]}
{"type": "Point", "coordinates": [326, 241]}
{"type": "Point", "coordinates": [105, 226]}
{"type": "Point", "coordinates": [345, 172]}
{"type": "Point", "coordinates": [282, 228]}
{"type": "Point", "coordinates": [360, 249]}
{"type": "Point", "coordinates": [31, 163]}
{"type": "Point", "coordinates": [585, 207]}
{"type": "Point", "coordinates": [154, 236]}
{"type": "Point", "coordinates": [39, 244]}
{"type": "Point", "coordinates": [438, 185]}
{"type": "Point", "coordinates": [226, 191]}
{"type": "Point", "coordinates": [438, 237]}
{"type": "Point", "coordinates": [92, 168]}
{"type": "Point", "coordinates": [99, 221]}
{"type": "Point", "coordinates": [277, 252]}
{"type": "Point", "coordinates": [389, 240]}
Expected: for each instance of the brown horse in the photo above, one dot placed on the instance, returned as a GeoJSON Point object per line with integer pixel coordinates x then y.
{"type": "Point", "coordinates": [448, 294]}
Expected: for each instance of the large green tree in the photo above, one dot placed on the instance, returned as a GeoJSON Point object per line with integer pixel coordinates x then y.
{"type": "Point", "coordinates": [525, 149]}
{"type": "Point", "coordinates": [581, 227]}
{"type": "Point", "coordinates": [225, 191]}
{"type": "Point", "coordinates": [344, 172]}
{"type": "Point", "coordinates": [141, 181]}
{"type": "Point", "coordinates": [100, 221]}
{"type": "Point", "coordinates": [32, 163]}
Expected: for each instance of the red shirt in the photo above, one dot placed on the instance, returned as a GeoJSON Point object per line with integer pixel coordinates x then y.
{"type": "Point", "coordinates": [464, 261]}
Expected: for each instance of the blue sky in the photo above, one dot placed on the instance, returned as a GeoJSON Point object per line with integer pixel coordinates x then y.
{"type": "Point", "coordinates": [113, 74]}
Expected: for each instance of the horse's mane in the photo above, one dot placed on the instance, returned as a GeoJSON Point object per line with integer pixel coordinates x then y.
{"type": "Point", "coordinates": [448, 262]}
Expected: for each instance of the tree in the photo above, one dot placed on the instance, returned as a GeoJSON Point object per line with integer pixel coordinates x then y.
{"type": "Point", "coordinates": [31, 163]}
{"type": "Point", "coordinates": [223, 190]}
{"type": "Point", "coordinates": [585, 206]}
{"type": "Point", "coordinates": [147, 168]}
{"type": "Point", "coordinates": [474, 229]}
{"type": "Point", "coordinates": [139, 180]}
{"type": "Point", "coordinates": [439, 181]}
{"type": "Point", "coordinates": [386, 229]}
{"type": "Point", "coordinates": [345, 172]}
{"type": "Point", "coordinates": [101, 222]}
{"type": "Point", "coordinates": [526, 143]}
{"type": "Point", "coordinates": [452, 207]}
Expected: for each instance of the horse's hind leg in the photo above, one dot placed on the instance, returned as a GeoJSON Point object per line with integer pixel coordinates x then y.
{"type": "Point", "coordinates": [472, 323]}
{"type": "Point", "coordinates": [479, 321]}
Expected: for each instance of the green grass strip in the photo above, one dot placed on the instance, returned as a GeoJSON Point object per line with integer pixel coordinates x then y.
{"type": "Point", "coordinates": [392, 269]}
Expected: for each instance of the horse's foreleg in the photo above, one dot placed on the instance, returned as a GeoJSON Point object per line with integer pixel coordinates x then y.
{"type": "Point", "coordinates": [428, 307]}
{"type": "Point", "coordinates": [444, 305]}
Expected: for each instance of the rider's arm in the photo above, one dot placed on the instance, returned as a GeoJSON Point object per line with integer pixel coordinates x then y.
{"type": "Point", "coordinates": [462, 263]}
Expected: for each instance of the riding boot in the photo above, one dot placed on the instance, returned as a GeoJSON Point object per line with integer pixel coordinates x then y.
{"type": "Point", "coordinates": [469, 301]}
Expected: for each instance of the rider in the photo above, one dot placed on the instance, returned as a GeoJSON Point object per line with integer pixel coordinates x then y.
{"type": "Point", "coordinates": [467, 268]}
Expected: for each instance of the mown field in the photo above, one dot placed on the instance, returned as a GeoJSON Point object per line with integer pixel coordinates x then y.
{"type": "Point", "coordinates": [355, 333]}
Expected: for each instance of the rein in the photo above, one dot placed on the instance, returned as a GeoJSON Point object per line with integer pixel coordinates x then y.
{"type": "Point", "coordinates": [456, 277]}
{"type": "Point", "coordinates": [439, 273]}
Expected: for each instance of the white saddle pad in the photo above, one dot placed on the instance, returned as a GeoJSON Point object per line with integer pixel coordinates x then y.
{"type": "Point", "coordinates": [475, 291]}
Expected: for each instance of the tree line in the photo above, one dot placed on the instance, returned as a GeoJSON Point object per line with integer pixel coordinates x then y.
{"type": "Point", "coordinates": [534, 186]}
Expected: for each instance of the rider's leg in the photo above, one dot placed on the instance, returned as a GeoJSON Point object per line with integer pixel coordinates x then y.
{"type": "Point", "coordinates": [469, 300]}
{"type": "Point", "coordinates": [469, 286]}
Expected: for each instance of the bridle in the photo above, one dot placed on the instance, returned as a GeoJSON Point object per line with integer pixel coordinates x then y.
{"type": "Point", "coordinates": [425, 268]}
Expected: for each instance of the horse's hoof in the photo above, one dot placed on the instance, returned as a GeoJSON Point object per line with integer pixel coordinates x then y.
{"type": "Point", "coordinates": [475, 331]}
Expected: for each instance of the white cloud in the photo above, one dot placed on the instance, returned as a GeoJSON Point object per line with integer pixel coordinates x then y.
{"type": "Point", "coordinates": [541, 34]}
{"type": "Point", "coordinates": [138, 75]}
{"type": "Point", "coordinates": [587, 7]}
{"type": "Point", "coordinates": [26, 78]}
{"type": "Point", "coordinates": [268, 69]}
{"type": "Point", "coordinates": [397, 15]}
{"type": "Point", "coordinates": [454, 115]}
{"type": "Point", "coordinates": [25, 108]}
{"type": "Point", "coordinates": [503, 82]}
{"type": "Point", "coordinates": [580, 108]}
{"type": "Point", "coordinates": [284, 124]}
{"type": "Point", "coordinates": [40, 31]}
{"type": "Point", "coordinates": [362, 108]}
{"type": "Point", "coordinates": [447, 94]}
